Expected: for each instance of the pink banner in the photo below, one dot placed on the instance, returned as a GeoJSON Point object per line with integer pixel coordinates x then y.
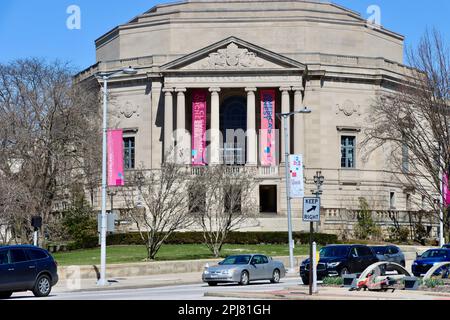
{"type": "Point", "coordinates": [446, 191]}
{"type": "Point", "coordinates": [199, 127]}
{"type": "Point", "coordinates": [115, 158]}
{"type": "Point", "coordinates": [268, 144]}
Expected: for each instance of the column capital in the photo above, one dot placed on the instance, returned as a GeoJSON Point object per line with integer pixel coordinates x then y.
{"type": "Point", "coordinates": [250, 89]}
{"type": "Point", "coordinates": [167, 90]}
{"type": "Point", "coordinates": [285, 89]}
{"type": "Point", "coordinates": [215, 90]}
{"type": "Point", "coordinates": [180, 90]}
{"type": "Point", "coordinates": [296, 89]}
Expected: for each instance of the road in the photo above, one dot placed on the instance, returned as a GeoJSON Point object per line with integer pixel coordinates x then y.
{"type": "Point", "coordinates": [179, 292]}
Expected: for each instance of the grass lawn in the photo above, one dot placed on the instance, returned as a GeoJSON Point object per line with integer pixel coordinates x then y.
{"type": "Point", "coordinates": [129, 254]}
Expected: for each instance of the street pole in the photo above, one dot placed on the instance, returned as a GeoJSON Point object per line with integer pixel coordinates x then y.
{"type": "Point", "coordinates": [311, 258]}
{"type": "Point", "coordinates": [441, 201]}
{"type": "Point", "coordinates": [105, 76]}
{"type": "Point", "coordinates": [102, 280]}
{"type": "Point", "coordinates": [288, 192]}
{"type": "Point", "coordinates": [35, 237]}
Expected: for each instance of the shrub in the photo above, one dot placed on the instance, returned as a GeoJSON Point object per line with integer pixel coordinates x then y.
{"type": "Point", "coordinates": [333, 281]}
{"type": "Point", "coordinates": [432, 283]}
{"type": "Point", "coordinates": [81, 225]}
{"type": "Point", "coordinates": [366, 228]}
{"type": "Point", "coordinates": [134, 238]}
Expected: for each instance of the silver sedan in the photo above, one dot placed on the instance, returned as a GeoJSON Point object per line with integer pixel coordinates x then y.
{"type": "Point", "coordinates": [243, 269]}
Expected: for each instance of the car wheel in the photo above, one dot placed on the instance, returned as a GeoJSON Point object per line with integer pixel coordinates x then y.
{"type": "Point", "coordinates": [212, 284]}
{"type": "Point", "coordinates": [344, 270]}
{"type": "Point", "coordinates": [43, 286]}
{"type": "Point", "coordinates": [5, 295]}
{"type": "Point", "coordinates": [245, 280]}
{"type": "Point", "coordinates": [276, 276]}
{"type": "Point", "coordinates": [305, 280]}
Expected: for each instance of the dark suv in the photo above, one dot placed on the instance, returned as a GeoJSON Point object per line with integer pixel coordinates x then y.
{"type": "Point", "coordinates": [24, 268]}
{"type": "Point", "coordinates": [337, 260]}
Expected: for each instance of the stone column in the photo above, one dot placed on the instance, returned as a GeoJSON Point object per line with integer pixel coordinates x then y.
{"type": "Point", "coordinates": [252, 155]}
{"type": "Point", "coordinates": [182, 137]}
{"type": "Point", "coordinates": [214, 148]}
{"type": "Point", "coordinates": [285, 108]}
{"type": "Point", "coordinates": [168, 125]}
{"type": "Point", "coordinates": [299, 122]}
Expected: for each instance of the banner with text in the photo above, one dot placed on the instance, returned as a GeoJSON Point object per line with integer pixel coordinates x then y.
{"type": "Point", "coordinates": [115, 159]}
{"type": "Point", "coordinates": [199, 127]}
{"type": "Point", "coordinates": [267, 141]}
{"type": "Point", "coordinates": [297, 184]}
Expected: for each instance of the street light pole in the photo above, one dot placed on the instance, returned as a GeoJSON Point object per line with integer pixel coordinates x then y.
{"type": "Point", "coordinates": [318, 181]}
{"type": "Point", "coordinates": [285, 117]}
{"type": "Point", "coordinates": [104, 219]}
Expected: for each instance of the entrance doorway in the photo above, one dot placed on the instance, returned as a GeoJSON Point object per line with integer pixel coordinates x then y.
{"type": "Point", "coordinates": [233, 125]}
{"type": "Point", "coordinates": [268, 199]}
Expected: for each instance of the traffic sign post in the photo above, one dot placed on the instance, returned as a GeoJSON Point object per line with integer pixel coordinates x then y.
{"type": "Point", "coordinates": [311, 214]}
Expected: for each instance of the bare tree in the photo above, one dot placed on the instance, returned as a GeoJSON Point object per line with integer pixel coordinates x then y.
{"type": "Point", "coordinates": [48, 123]}
{"type": "Point", "coordinates": [222, 200]}
{"type": "Point", "coordinates": [412, 120]}
{"type": "Point", "coordinates": [159, 205]}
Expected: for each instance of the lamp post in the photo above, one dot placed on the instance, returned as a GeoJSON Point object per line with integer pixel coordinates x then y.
{"type": "Point", "coordinates": [318, 181]}
{"type": "Point", "coordinates": [285, 117]}
{"type": "Point", "coordinates": [105, 76]}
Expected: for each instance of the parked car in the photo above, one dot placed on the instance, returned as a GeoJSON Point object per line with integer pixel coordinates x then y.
{"type": "Point", "coordinates": [428, 259]}
{"type": "Point", "coordinates": [337, 260]}
{"type": "Point", "coordinates": [243, 269]}
{"type": "Point", "coordinates": [26, 268]}
{"type": "Point", "coordinates": [390, 254]}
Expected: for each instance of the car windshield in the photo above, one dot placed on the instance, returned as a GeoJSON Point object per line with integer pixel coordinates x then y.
{"type": "Point", "coordinates": [434, 254]}
{"type": "Point", "coordinates": [336, 251]}
{"type": "Point", "coordinates": [379, 250]}
{"type": "Point", "coordinates": [236, 260]}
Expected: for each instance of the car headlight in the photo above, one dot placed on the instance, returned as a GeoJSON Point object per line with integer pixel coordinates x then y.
{"type": "Point", "coordinates": [333, 264]}
{"type": "Point", "coordinates": [206, 271]}
{"type": "Point", "coordinates": [414, 263]}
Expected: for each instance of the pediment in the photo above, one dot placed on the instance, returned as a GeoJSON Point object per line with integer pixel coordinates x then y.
{"type": "Point", "coordinates": [233, 54]}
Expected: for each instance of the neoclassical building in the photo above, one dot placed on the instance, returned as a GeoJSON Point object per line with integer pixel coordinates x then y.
{"type": "Point", "coordinates": [217, 64]}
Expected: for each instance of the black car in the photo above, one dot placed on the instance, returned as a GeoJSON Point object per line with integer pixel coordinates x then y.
{"type": "Point", "coordinates": [24, 268]}
{"type": "Point", "coordinates": [337, 260]}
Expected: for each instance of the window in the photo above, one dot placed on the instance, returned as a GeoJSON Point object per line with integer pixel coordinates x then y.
{"type": "Point", "coordinates": [36, 254]}
{"type": "Point", "coordinates": [363, 251]}
{"type": "Point", "coordinates": [392, 200]}
{"type": "Point", "coordinates": [17, 255]}
{"type": "Point", "coordinates": [129, 152]}
{"type": "Point", "coordinates": [348, 152]}
{"type": "Point", "coordinates": [257, 260]}
{"type": "Point", "coordinates": [264, 259]}
{"type": "Point", "coordinates": [197, 199]}
{"type": "Point", "coordinates": [405, 158]}
{"type": "Point", "coordinates": [394, 250]}
{"type": "Point", "coordinates": [408, 201]}
{"type": "Point", "coordinates": [4, 257]}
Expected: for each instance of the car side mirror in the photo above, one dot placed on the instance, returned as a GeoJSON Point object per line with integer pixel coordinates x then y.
{"type": "Point", "coordinates": [220, 263]}
{"type": "Point", "coordinates": [418, 255]}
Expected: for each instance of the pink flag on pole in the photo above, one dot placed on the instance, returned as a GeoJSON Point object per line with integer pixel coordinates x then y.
{"type": "Point", "coordinates": [446, 191]}
{"type": "Point", "coordinates": [115, 158]}
{"type": "Point", "coordinates": [198, 127]}
{"type": "Point", "coordinates": [268, 144]}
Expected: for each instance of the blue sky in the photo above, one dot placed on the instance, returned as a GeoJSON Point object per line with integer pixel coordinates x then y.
{"type": "Point", "coordinates": [38, 27]}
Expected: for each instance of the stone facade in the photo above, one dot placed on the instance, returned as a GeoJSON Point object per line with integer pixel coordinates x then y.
{"type": "Point", "coordinates": [314, 54]}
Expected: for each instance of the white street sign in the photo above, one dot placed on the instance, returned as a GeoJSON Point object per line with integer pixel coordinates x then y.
{"type": "Point", "coordinates": [311, 209]}
{"type": "Point", "coordinates": [297, 184]}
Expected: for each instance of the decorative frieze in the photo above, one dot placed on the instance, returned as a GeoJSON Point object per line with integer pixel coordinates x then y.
{"type": "Point", "coordinates": [233, 57]}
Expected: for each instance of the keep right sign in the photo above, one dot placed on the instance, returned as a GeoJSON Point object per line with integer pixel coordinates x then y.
{"type": "Point", "coordinates": [311, 209]}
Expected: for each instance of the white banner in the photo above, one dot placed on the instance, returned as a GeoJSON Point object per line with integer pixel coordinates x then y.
{"type": "Point", "coordinates": [297, 184]}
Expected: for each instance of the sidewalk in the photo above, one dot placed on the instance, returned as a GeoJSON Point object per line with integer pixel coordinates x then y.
{"type": "Point", "coordinates": [331, 293]}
